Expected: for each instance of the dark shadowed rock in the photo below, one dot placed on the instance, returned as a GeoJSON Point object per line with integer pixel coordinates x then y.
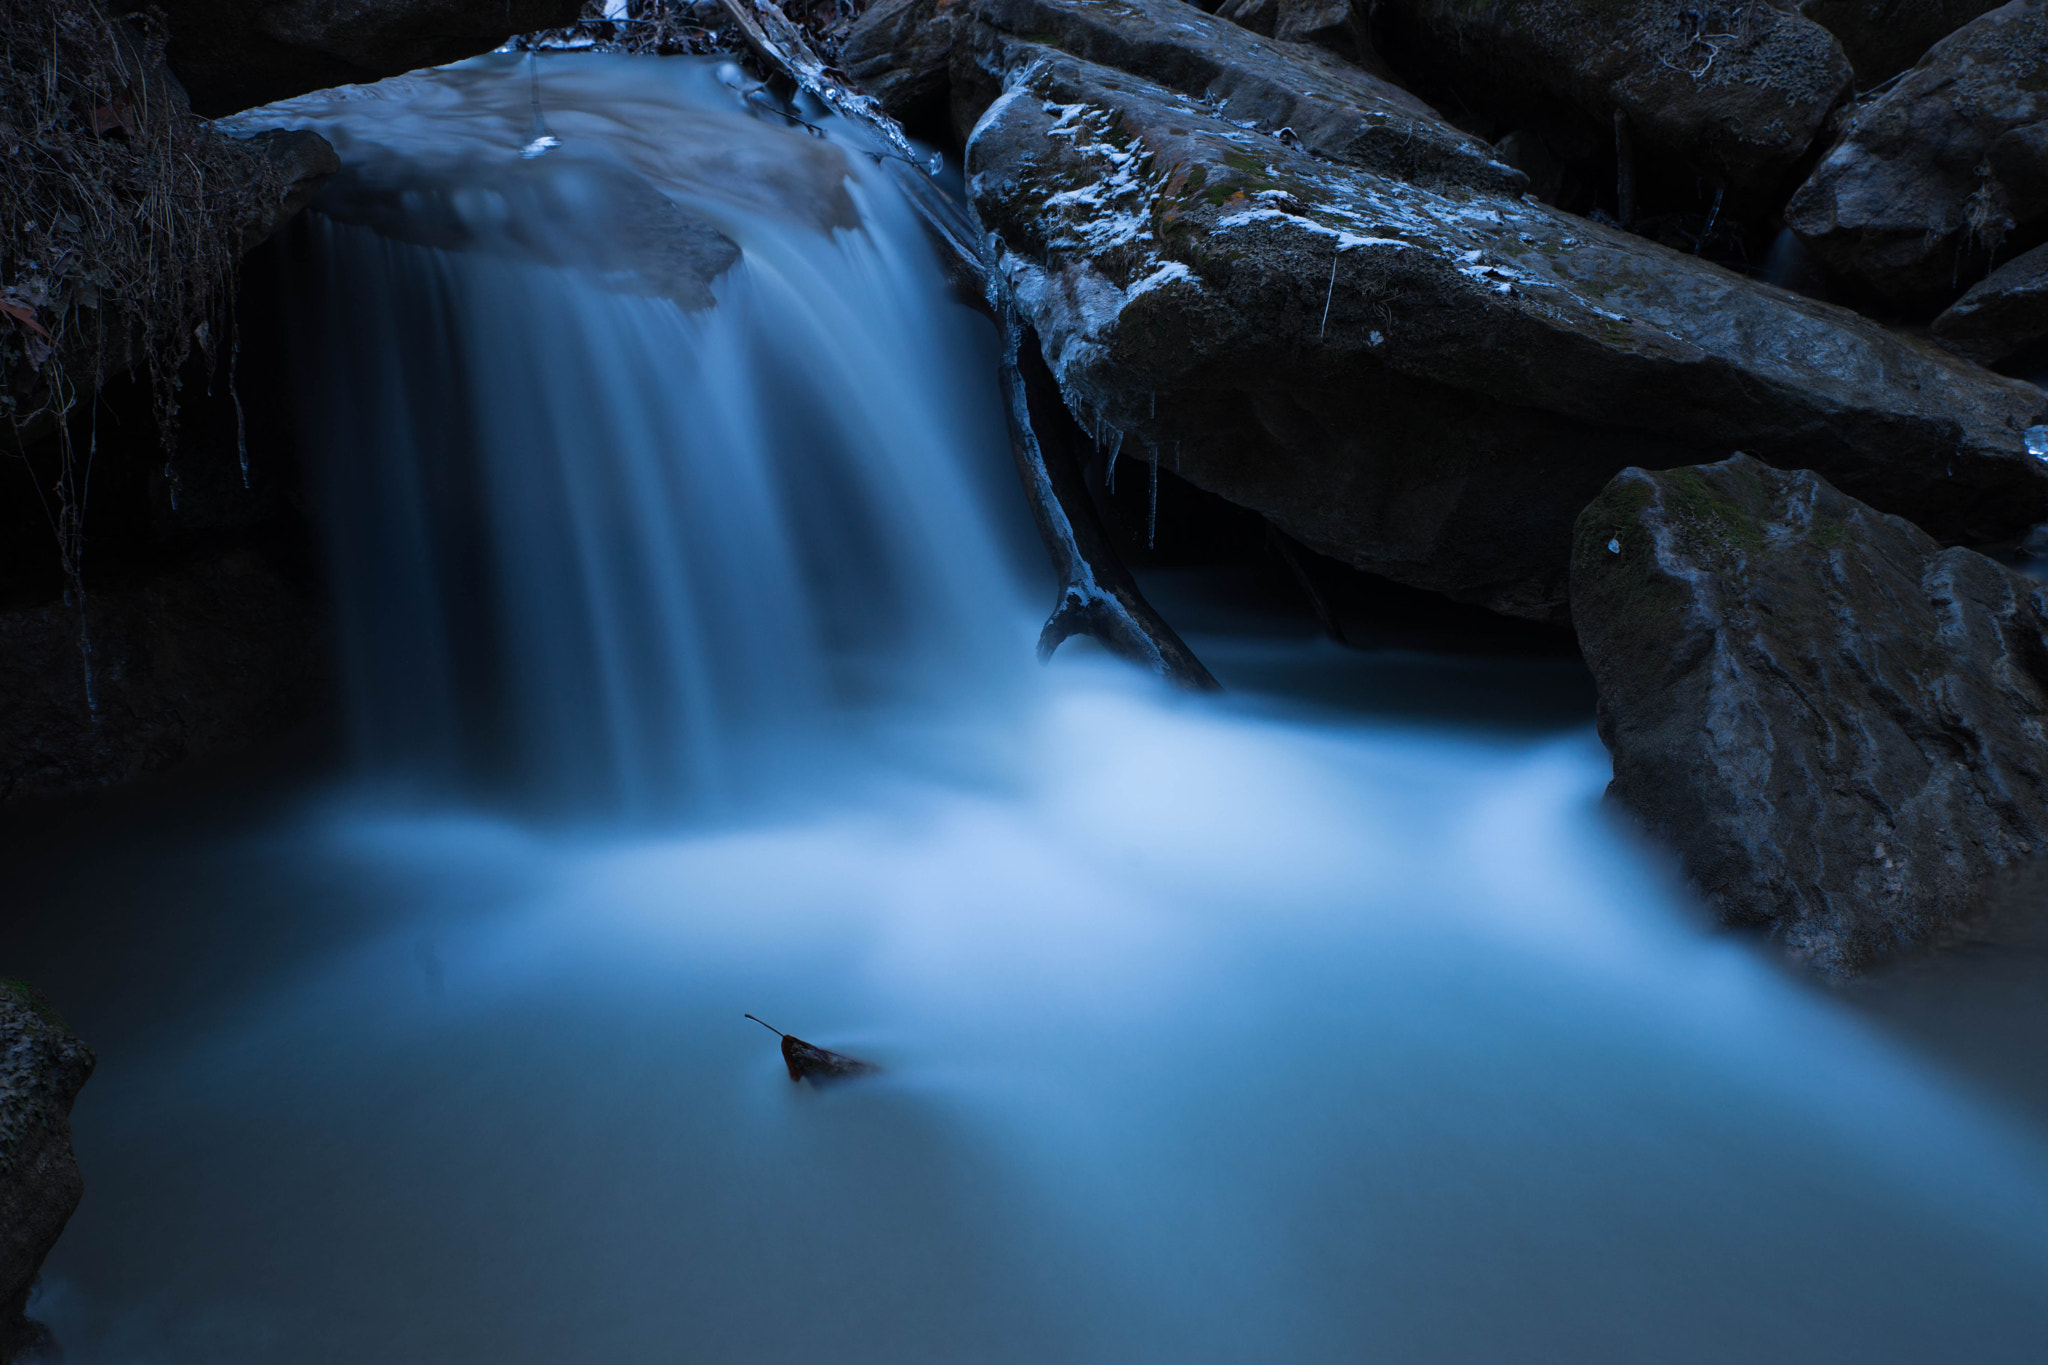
{"type": "Point", "coordinates": [2003, 313]}
{"type": "Point", "coordinates": [1291, 21]}
{"type": "Point", "coordinates": [900, 52]}
{"type": "Point", "coordinates": [234, 54]}
{"type": "Point", "coordinates": [1841, 726]}
{"type": "Point", "coordinates": [1334, 109]}
{"type": "Point", "coordinates": [304, 162]}
{"type": "Point", "coordinates": [42, 1067]}
{"type": "Point", "coordinates": [1430, 383]}
{"type": "Point", "coordinates": [208, 657]}
{"type": "Point", "coordinates": [1884, 37]}
{"type": "Point", "coordinates": [1931, 177]}
{"type": "Point", "coordinates": [1738, 90]}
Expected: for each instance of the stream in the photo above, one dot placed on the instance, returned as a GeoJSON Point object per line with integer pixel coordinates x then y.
{"type": "Point", "coordinates": [686, 614]}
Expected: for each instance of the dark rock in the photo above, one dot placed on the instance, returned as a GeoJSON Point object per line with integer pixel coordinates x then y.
{"type": "Point", "coordinates": [1291, 21]}
{"type": "Point", "coordinates": [234, 54]}
{"type": "Point", "coordinates": [2001, 314]}
{"type": "Point", "coordinates": [201, 659]}
{"type": "Point", "coordinates": [304, 161]}
{"type": "Point", "coordinates": [1429, 383]}
{"type": "Point", "coordinates": [1841, 726]}
{"type": "Point", "coordinates": [1738, 90]}
{"type": "Point", "coordinates": [1931, 177]}
{"type": "Point", "coordinates": [900, 52]}
{"type": "Point", "coordinates": [1335, 109]}
{"type": "Point", "coordinates": [42, 1067]}
{"type": "Point", "coordinates": [1884, 37]}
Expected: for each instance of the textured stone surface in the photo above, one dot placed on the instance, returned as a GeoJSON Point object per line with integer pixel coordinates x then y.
{"type": "Point", "coordinates": [1884, 37]}
{"type": "Point", "coordinates": [1841, 726]}
{"type": "Point", "coordinates": [233, 54]}
{"type": "Point", "coordinates": [1430, 383]}
{"type": "Point", "coordinates": [42, 1067]}
{"type": "Point", "coordinates": [900, 52]}
{"type": "Point", "coordinates": [1928, 177]}
{"type": "Point", "coordinates": [1336, 110]}
{"type": "Point", "coordinates": [2004, 312]}
{"type": "Point", "coordinates": [1739, 90]}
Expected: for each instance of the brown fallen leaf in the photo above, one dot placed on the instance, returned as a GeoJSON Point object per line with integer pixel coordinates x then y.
{"type": "Point", "coordinates": [24, 315]}
{"type": "Point", "coordinates": [820, 1065]}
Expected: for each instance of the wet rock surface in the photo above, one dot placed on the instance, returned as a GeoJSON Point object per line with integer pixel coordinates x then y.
{"type": "Point", "coordinates": [1326, 105]}
{"type": "Point", "coordinates": [1841, 726]}
{"type": "Point", "coordinates": [1946, 171]}
{"type": "Point", "coordinates": [2004, 312]}
{"type": "Point", "coordinates": [42, 1067]}
{"type": "Point", "coordinates": [1428, 383]}
{"type": "Point", "coordinates": [1739, 91]}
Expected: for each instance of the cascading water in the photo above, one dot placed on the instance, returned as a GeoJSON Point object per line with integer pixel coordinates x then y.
{"type": "Point", "coordinates": [1215, 1030]}
{"type": "Point", "coordinates": [646, 460]}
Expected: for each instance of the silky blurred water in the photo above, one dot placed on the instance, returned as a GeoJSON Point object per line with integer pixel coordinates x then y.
{"type": "Point", "coordinates": [1328, 1020]}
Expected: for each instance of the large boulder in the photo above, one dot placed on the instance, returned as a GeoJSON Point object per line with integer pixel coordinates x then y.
{"type": "Point", "coordinates": [233, 54]}
{"type": "Point", "coordinates": [1429, 382]}
{"type": "Point", "coordinates": [1932, 177]}
{"type": "Point", "coordinates": [1841, 726]}
{"type": "Point", "coordinates": [1738, 91]}
{"type": "Point", "coordinates": [1884, 37]}
{"type": "Point", "coordinates": [42, 1067]}
{"type": "Point", "coordinates": [1328, 106]}
{"type": "Point", "coordinates": [2003, 313]}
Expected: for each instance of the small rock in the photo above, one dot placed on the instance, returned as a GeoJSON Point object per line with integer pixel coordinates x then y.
{"type": "Point", "coordinates": [42, 1067]}
{"type": "Point", "coordinates": [2003, 313]}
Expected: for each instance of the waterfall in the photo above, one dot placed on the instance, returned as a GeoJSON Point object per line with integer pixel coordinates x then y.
{"type": "Point", "coordinates": [650, 465]}
{"type": "Point", "coordinates": [1329, 1019]}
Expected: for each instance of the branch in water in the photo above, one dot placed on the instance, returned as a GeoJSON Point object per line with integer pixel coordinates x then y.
{"type": "Point", "coordinates": [1098, 596]}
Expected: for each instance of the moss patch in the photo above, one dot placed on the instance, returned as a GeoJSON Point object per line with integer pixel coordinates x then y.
{"type": "Point", "coordinates": [35, 1002]}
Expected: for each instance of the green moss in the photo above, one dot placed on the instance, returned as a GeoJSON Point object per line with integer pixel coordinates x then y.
{"type": "Point", "coordinates": [1829, 535]}
{"type": "Point", "coordinates": [38, 1004]}
{"type": "Point", "coordinates": [1692, 498]}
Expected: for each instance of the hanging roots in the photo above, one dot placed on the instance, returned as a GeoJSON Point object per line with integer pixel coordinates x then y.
{"type": "Point", "coordinates": [120, 213]}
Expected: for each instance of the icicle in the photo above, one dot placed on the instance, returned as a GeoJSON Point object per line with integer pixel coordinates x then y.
{"type": "Point", "coordinates": [1152, 512]}
{"type": "Point", "coordinates": [235, 395]}
{"type": "Point", "coordinates": [1713, 216]}
{"type": "Point", "coordinates": [92, 695]}
{"type": "Point", "coordinates": [1329, 293]}
{"type": "Point", "coordinates": [1109, 476]}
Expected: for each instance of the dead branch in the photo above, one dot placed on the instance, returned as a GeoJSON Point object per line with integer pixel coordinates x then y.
{"type": "Point", "coordinates": [1097, 595]}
